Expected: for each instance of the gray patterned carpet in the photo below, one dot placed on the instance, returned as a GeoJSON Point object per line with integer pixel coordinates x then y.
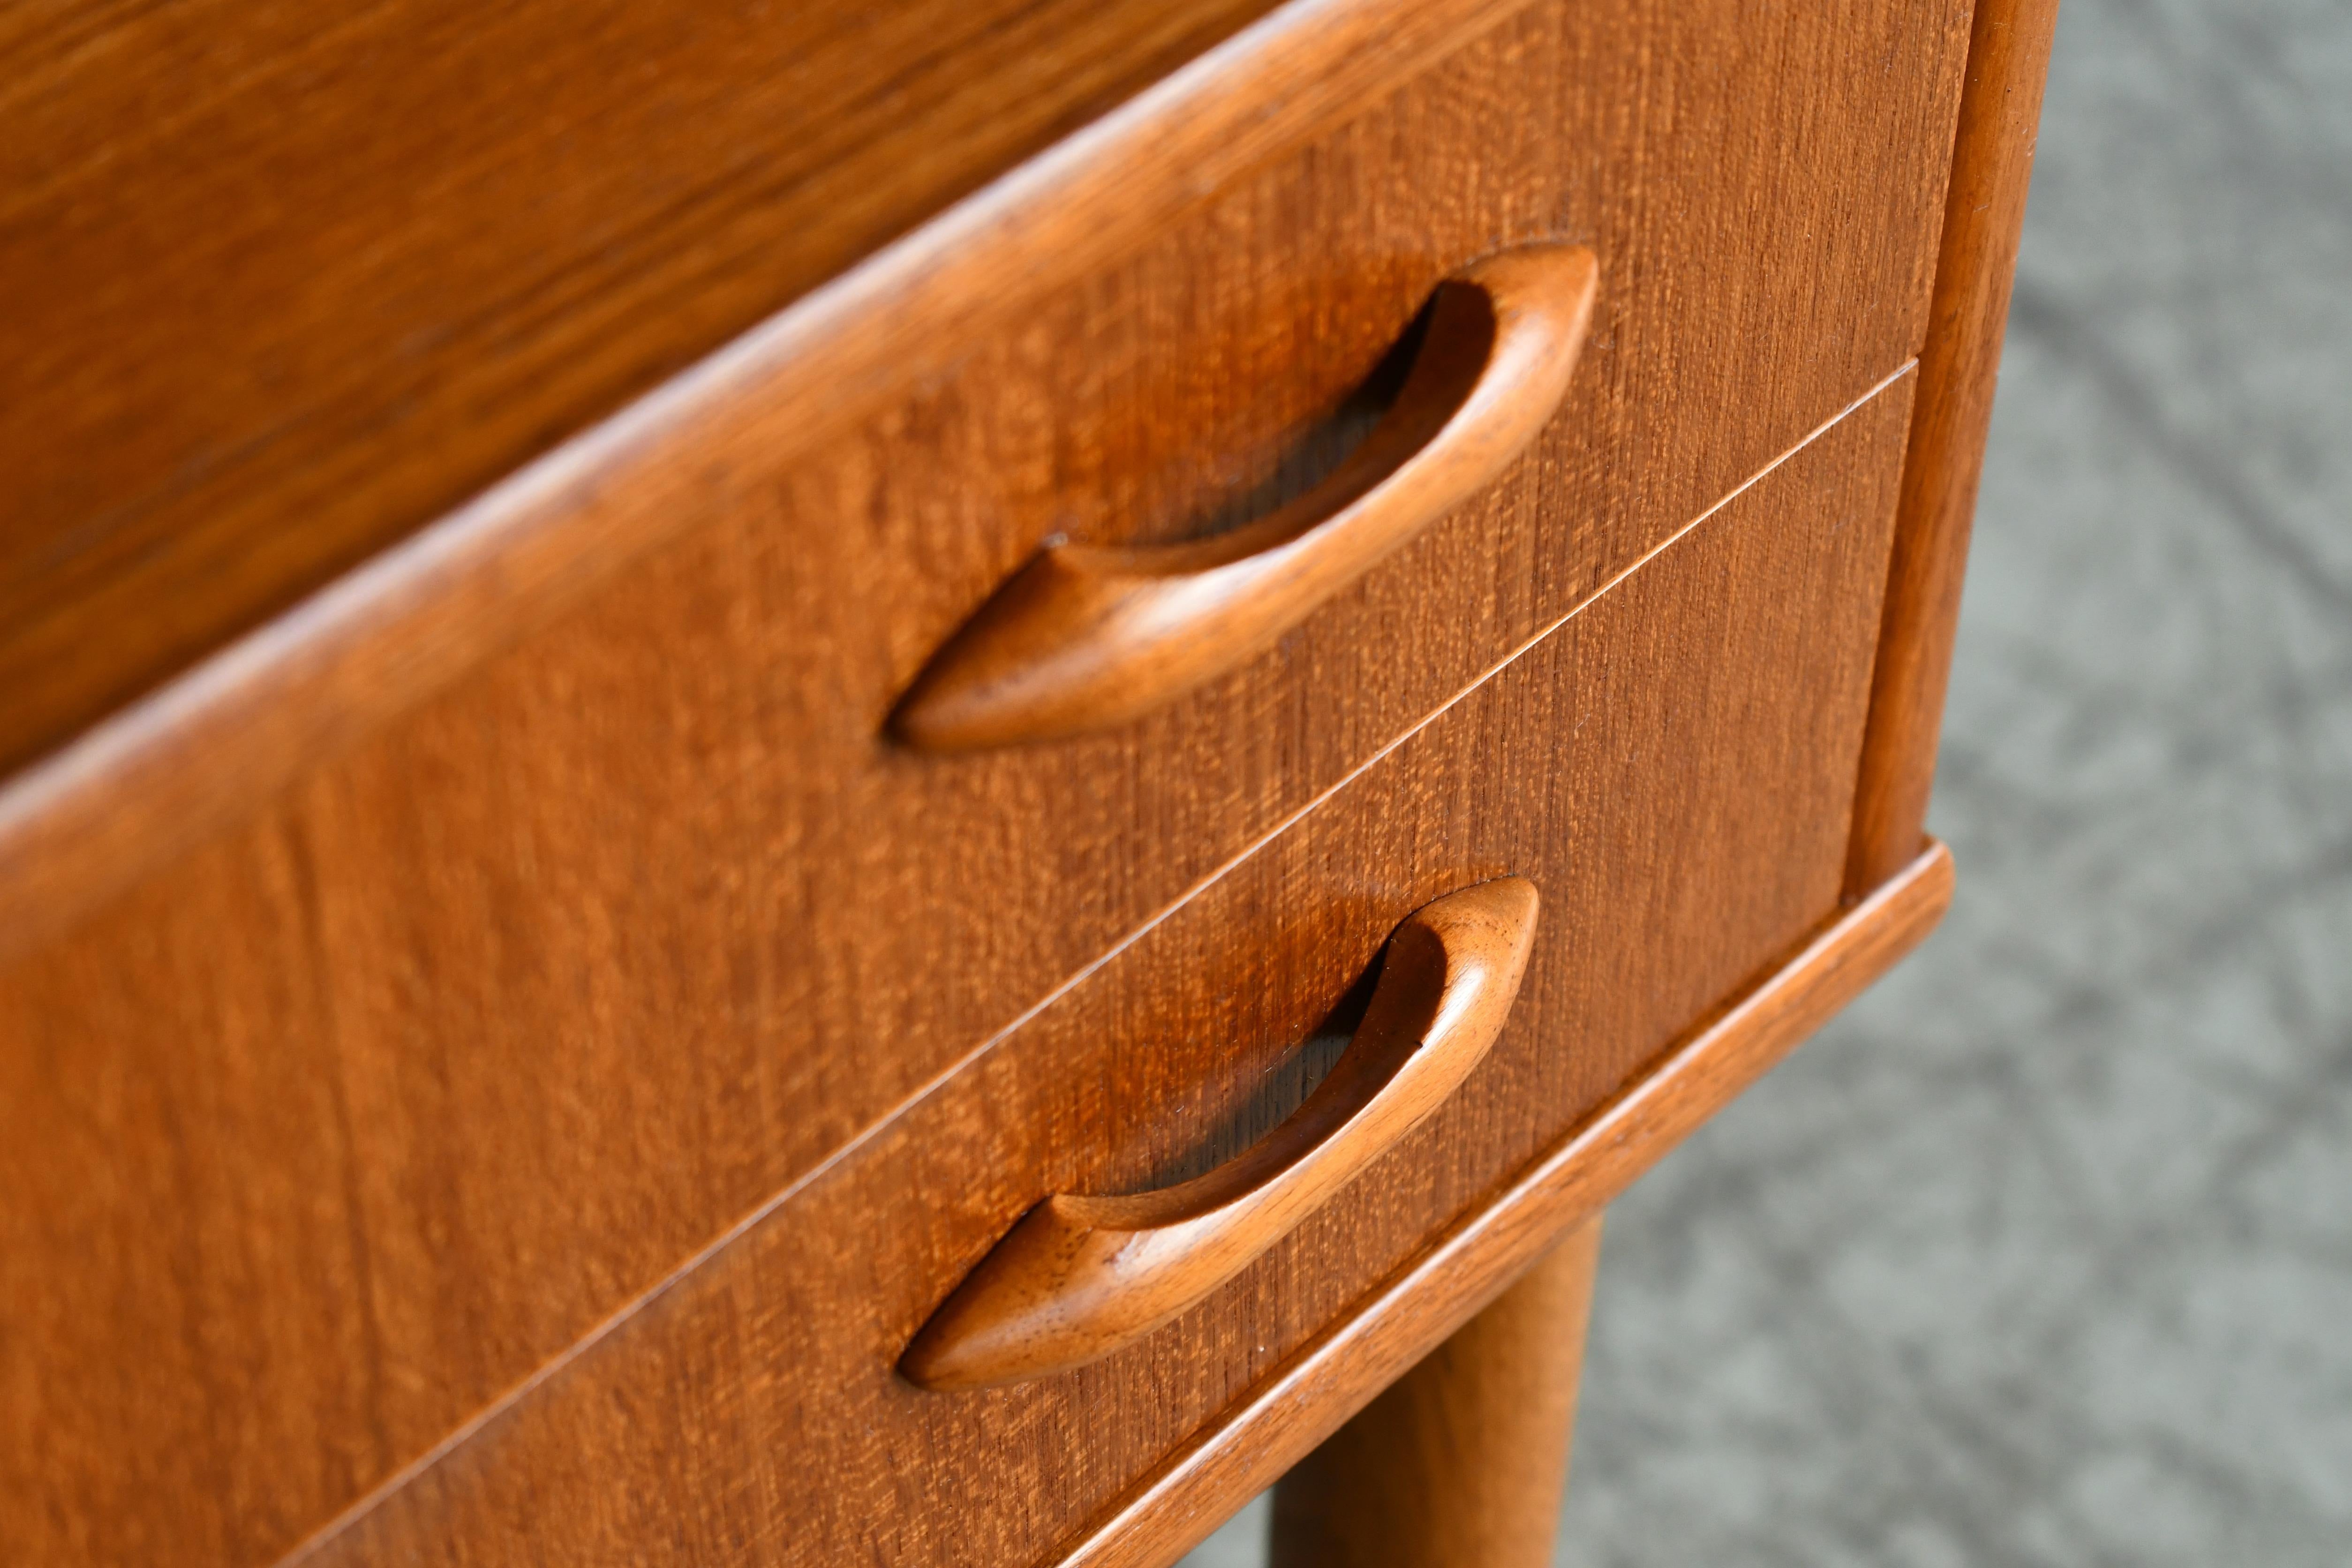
{"type": "Point", "coordinates": [2043, 1254]}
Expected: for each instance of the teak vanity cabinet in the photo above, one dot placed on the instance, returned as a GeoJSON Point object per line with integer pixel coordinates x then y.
{"type": "Point", "coordinates": [521, 1042]}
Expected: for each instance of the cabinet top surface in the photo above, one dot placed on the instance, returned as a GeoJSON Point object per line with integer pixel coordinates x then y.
{"type": "Point", "coordinates": [280, 293]}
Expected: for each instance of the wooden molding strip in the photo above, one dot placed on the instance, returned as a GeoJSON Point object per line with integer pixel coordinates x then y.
{"type": "Point", "coordinates": [1283, 1419]}
{"type": "Point", "coordinates": [1984, 211]}
{"type": "Point", "coordinates": [191, 758]}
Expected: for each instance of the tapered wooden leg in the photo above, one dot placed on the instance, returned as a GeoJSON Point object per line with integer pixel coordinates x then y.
{"type": "Point", "coordinates": [1462, 1463]}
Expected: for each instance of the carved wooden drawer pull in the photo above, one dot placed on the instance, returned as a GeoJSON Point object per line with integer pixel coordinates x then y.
{"type": "Point", "coordinates": [1079, 1276]}
{"type": "Point", "coordinates": [1091, 635]}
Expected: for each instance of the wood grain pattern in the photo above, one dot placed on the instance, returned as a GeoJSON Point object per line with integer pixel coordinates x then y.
{"type": "Point", "coordinates": [204, 749]}
{"type": "Point", "coordinates": [307, 287]}
{"type": "Point", "coordinates": [458, 1040]}
{"type": "Point", "coordinates": [1462, 1462]}
{"type": "Point", "coordinates": [1984, 211]}
{"type": "Point", "coordinates": [1087, 637]}
{"type": "Point", "coordinates": [1706, 154]}
{"type": "Point", "coordinates": [1082, 1275]}
{"type": "Point", "coordinates": [1282, 1418]}
{"type": "Point", "coordinates": [1673, 766]}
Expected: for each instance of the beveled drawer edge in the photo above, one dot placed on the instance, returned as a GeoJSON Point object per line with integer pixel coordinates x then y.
{"type": "Point", "coordinates": [195, 754]}
{"type": "Point", "coordinates": [1405, 1319]}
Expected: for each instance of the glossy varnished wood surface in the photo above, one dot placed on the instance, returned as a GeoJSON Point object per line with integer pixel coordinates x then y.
{"type": "Point", "coordinates": [155, 778]}
{"type": "Point", "coordinates": [1461, 1461]}
{"type": "Point", "coordinates": [1673, 767]}
{"type": "Point", "coordinates": [352, 1118]}
{"type": "Point", "coordinates": [361, 1112]}
{"type": "Point", "coordinates": [1992, 164]}
{"type": "Point", "coordinates": [282, 288]}
{"type": "Point", "coordinates": [1708, 154]}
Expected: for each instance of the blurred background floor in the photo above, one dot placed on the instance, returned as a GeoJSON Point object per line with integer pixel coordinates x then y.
{"type": "Point", "coordinates": [2042, 1254]}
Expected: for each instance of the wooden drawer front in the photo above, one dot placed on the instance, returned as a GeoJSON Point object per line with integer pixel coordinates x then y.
{"type": "Point", "coordinates": [1673, 769]}
{"type": "Point", "coordinates": [354, 1115]}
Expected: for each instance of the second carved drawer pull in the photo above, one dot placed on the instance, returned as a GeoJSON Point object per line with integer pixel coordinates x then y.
{"type": "Point", "coordinates": [1079, 1276]}
{"type": "Point", "coordinates": [1089, 636]}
